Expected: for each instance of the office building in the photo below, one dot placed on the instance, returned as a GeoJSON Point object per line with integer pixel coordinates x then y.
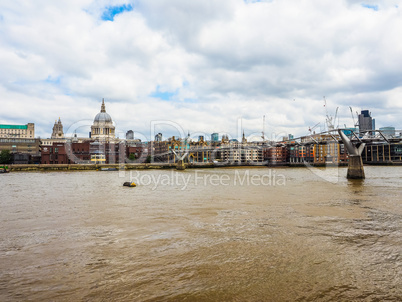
{"type": "Point", "coordinates": [17, 131]}
{"type": "Point", "coordinates": [366, 122]}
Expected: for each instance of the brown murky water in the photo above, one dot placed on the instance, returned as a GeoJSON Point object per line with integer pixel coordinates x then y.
{"type": "Point", "coordinates": [229, 235]}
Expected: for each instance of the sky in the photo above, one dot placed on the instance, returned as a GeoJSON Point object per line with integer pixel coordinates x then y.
{"type": "Point", "coordinates": [205, 66]}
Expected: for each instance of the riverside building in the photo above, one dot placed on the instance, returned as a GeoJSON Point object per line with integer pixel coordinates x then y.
{"type": "Point", "coordinates": [20, 141]}
{"type": "Point", "coordinates": [17, 131]}
{"type": "Point", "coordinates": [102, 147]}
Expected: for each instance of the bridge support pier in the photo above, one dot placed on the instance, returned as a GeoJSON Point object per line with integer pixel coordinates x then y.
{"type": "Point", "coordinates": [180, 165]}
{"type": "Point", "coordinates": [355, 167]}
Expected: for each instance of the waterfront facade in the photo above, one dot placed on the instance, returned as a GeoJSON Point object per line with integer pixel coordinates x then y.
{"type": "Point", "coordinates": [382, 153]}
{"type": "Point", "coordinates": [21, 142]}
{"type": "Point", "coordinates": [66, 153]}
{"type": "Point", "coordinates": [23, 150]}
{"type": "Point", "coordinates": [102, 146]}
{"type": "Point", "coordinates": [276, 155]}
{"type": "Point", "coordinates": [17, 131]}
{"type": "Point", "coordinates": [90, 152]}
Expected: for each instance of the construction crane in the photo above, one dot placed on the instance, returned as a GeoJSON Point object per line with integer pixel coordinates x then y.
{"type": "Point", "coordinates": [263, 129]}
{"type": "Point", "coordinates": [336, 114]}
{"type": "Point", "coordinates": [310, 129]}
{"type": "Point", "coordinates": [355, 124]}
{"type": "Point", "coordinates": [351, 112]}
{"type": "Point", "coordinates": [330, 125]}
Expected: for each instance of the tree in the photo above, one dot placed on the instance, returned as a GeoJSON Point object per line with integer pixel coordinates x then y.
{"type": "Point", "coordinates": [132, 157]}
{"type": "Point", "coordinates": [149, 159]}
{"type": "Point", "coordinates": [5, 157]}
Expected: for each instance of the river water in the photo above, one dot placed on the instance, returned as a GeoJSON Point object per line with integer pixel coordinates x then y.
{"type": "Point", "coordinates": [260, 234]}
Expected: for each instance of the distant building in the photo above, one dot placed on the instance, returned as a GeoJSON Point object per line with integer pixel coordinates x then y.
{"type": "Point", "coordinates": [17, 131]}
{"type": "Point", "coordinates": [57, 135]}
{"type": "Point", "coordinates": [366, 122]}
{"type": "Point", "coordinates": [20, 141]}
{"type": "Point", "coordinates": [57, 130]}
{"type": "Point", "coordinates": [130, 134]}
{"type": "Point", "coordinates": [102, 128]}
{"type": "Point", "coordinates": [158, 137]}
{"type": "Point", "coordinates": [23, 150]}
{"type": "Point", "coordinates": [349, 131]}
{"type": "Point", "coordinates": [187, 139]}
{"type": "Point", "coordinates": [225, 139]}
{"type": "Point", "coordinates": [234, 152]}
{"type": "Point", "coordinates": [136, 150]}
{"type": "Point", "coordinates": [102, 146]}
{"type": "Point", "coordinates": [215, 137]}
{"type": "Point", "coordinates": [243, 140]}
{"type": "Point", "coordinates": [89, 152]}
{"type": "Point", "coordinates": [388, 131]}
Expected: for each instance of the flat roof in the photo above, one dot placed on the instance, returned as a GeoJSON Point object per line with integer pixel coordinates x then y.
{"type": "Point", "coordinates": [13, 126]}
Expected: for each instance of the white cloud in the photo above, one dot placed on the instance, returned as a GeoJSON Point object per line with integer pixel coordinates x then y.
{"type": "Point", "coordinates": [217, 60]}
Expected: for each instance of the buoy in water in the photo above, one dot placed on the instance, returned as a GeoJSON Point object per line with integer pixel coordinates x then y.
{"type": "Point", "coordinates": [129, 184]}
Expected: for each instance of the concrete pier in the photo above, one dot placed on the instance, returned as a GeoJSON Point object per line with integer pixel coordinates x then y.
{"type": "Point", "coordinates": [180, 165]}
{"type": "Point", "coordinates": [355, 167]}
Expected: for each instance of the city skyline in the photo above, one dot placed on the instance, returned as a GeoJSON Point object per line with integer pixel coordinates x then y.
{"type": "Point", "coordinates": [363, 122]}
{"type": "Point", "coordinates": [202, 65]}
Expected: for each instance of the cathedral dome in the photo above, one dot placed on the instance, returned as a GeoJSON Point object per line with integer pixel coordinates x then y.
{"type": "Point", "coordinates": [103, 117]}
{"type": "Point", "coordinates": [102, 128]}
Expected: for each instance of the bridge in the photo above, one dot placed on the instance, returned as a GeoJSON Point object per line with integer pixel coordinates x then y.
{"type": "Point", "coordinates": [367, 136]}
{"type": "Point", "coordinates": [181, 154]}
{"type": "Point", "coordinates": [354, 142]}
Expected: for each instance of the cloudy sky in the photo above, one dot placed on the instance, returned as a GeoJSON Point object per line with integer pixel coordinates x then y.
{"type": "Point", "coordinates": [200, 66]}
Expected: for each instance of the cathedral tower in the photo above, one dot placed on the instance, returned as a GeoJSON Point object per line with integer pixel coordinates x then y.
{"type": "Point", "coordinates": [58, 130]}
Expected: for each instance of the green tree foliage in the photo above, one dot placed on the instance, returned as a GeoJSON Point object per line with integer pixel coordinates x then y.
{"type": "Point", "coordinates": [5, 157]}
{"type": "Point", "coordinates": [132, 157]}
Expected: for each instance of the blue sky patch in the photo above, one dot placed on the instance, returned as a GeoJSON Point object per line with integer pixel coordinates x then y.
{"type": "Point", "coordinates": [53, 80]}
{"type": "Point", "coordinates": [163, 95]}
{"type": "Point", "coordinates": [370, 6]}
{"type": "Point", "coordinates": [111, 11]}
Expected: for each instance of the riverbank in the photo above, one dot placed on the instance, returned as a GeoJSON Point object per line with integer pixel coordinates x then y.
{"type": "Point", "coordinates": [143, 166]}
{"type": "Point", "coordinates": [146, 166]}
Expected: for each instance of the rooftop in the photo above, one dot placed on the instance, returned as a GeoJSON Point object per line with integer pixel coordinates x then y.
{"type": "Point", "coordinates": [13, 127]}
